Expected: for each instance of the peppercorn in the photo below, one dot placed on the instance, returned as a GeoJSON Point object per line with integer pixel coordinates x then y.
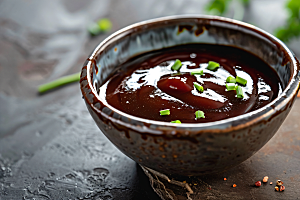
{"type": "Point", "coordinates": [279, 183]}
{"type": "Point", "coordinates": [271, 183]}
{"type": "Point", "coordinates": [257, 183]}
{"type": "Point", "coordinates": [234, 185]}
{"type": "Point", "coordinates": [265, 179]}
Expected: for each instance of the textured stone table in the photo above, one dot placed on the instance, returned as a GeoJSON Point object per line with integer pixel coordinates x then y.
{"type": "Point", "coordinates": [50, 147]}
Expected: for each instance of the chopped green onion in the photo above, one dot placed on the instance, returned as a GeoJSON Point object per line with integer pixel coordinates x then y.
{"type": "Point", "coordinates": [94, 29]}
{"type": "Point", "coordinates": [104, 24]}
{"type": "Point", "coordinates": [213, 65]}
{"type": "Point", "coordinates": [176, 122]}
{"type": "Point", "coordinates": [199, 114]}
{"type": "Point", "coordinates": [241, 80]}
{"type": "Point", "coordinates": [177, 65]}
{"type": "Point", "coordinates": [230, 86]}
{"type": "Point", "coordinates": [198, 87]}
{"type": "Point", "coordinates": [165, 112]}
{"type": "Point", "coordinates": [59, 82]}
{"type": "Point", "coordinates": [197, 72]}
{"type": "Point", "coordinates": [239, 92]}
{"type": "Point", "coordinates": [230, 79]}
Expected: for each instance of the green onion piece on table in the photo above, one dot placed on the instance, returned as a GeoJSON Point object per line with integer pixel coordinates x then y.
{"type": "Point", "coordinates": [103, 25]}
{"type": "Point", "coordinates": [213, 65]}
{"type": "Point", "coordinates": [198, 87]}
{"type": "Point", "coordinates": [230, 86]}
{"type": "Point", "coordinates": [241, 80]}
{"type": "Point", "coordinates": [230, 79]}
{"type": "Point", "coordinates": [239, 92]}
{"type": "Point", "coordinates": [197, 72]}
{"type": "Point", "coordinates": [165, 112]}
{"type": "Point", "coordinates": [176, 122]}
{"type": "Point", "coordinates": [177, 65]}
{"type": "Point", "coordinates": [94, 29]}
{"type": "Point", "coordinates": [59, 82]}
{"type": "Point", "coordinates": [199, 114]}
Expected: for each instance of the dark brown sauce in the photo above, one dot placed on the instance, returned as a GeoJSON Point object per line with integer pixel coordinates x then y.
{"type": "Point", "coordinates": [146, 84]}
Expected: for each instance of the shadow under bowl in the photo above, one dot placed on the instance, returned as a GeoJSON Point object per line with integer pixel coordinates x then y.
{"type": "Point", "coordinates": [188, 149]}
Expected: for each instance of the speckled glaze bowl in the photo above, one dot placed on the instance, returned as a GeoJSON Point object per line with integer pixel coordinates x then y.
{"type": "Point", "coordinates": [188, 149]}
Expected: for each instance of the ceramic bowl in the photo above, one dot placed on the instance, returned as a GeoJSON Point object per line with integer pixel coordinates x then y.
{"type": "Point", "coordinates": [188, 149]}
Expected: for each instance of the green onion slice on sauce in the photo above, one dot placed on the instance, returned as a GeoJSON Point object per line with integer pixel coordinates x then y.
{"type": "Point", "coordinates": [176, 122]}
{"type": "Point", "coordinates": [199, 114]}
{"type": "Point", "coordinates": [230, 79]}
{"type": "Point", "coordinates": [213, 65]}
{"type": "Point", "coordinates": [239, 92]}
{"type": "Point", "coordinates": [241, 80]}
{"type": "Point", "coordinates": [198, 87]}
{"type": "Point", "coordinates": [165, 112]}
{"type": "Point", "coordinates": [177, 65]}
{"type": "Point", "coordinates": [197, 72]}
{"type": "Point", "coordinates": [230, 86]}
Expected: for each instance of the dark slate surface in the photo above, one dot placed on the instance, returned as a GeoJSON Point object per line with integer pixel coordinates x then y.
{"type": "Point", "coordinates": [50, 147]}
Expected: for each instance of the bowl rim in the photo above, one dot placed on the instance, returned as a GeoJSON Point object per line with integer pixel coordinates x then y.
{"type": "Point", "coordinates": [247, 119]}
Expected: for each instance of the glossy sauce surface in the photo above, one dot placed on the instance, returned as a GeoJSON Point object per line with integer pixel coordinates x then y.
{"type": "Point", "coordinates": [146, 84]}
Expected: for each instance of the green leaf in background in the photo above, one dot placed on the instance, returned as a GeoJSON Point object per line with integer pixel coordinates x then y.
{"type": "Point", "coordinates": [294, 8]}
{"type": "Point", "coordinates": [287, 32]}
{"type": "Point", "coordinates": [218, 6]}
{"type": "Point", "coordinates": [292, 27]}
{"type": "Point", "coordinates": [245, 2]}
